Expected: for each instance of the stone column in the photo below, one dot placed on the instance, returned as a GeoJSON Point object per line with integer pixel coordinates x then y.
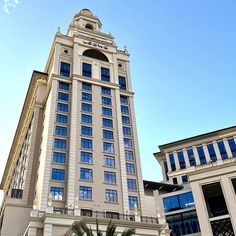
{"type": "Point", "coordinates": [217, 151]}
{"type": "Point", "coordinates": [208, 158]}
{"type": "Point", "coordinates": [196, 156]}
{"type": "Point", "coordinates": [227, 148]}
{"type": "Point", "coordinates": [47, 231]}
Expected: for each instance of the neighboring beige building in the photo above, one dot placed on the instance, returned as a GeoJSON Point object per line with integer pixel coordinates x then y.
{"type": "Point", "coordinates": [75, 153]}
{"type": "Point", "coordinates": [203, 169]}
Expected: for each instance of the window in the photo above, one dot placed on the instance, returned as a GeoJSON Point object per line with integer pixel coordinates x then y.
{"type": "Point", "coordinates": [86, 212]}
{"type": "Point", "coordinates": [211, 151]}
{"type": "Point", "coordinates": [86, 97]}
{"type": "Point", "coordinates": [86, 86]}
{"type": "Point", "coordinates": [172, 161]}
{"type": "Point", "coordinates": [232, 146]}
{"type": "Point", "coordinates": [125, 120]}
{"type": "Point", "coordinates": [106, 111]}
{"type": "Point", "coordinates": [222, 150]}
{"type": "Point", "coordinates": [122, 82]}
{"type": "Point", "coordinates": [62, 107]}
{"type": "Point", "coordinates": [132, 184]}
{"type": "Point", "coordinates": [111, 195]}
{"type": "Point", "coordinates": [85, 130]}
{"type": "Point", "coordinates": [191, 158]}
{"type": "Point", "coordinates": [129, 155]}
{"type": "Point", "coordinates": [86, 143]}
{"type": "Point", "coordinates": [184, 179]}
{"type": "Point", "coordinates": [64, 86]}
{"type": "Point", "coordinates": [181, 160]}
{"type": "Point", "coordinates": [86, 70]}
{"type": "Point", "coordinates": [109, 177]}
{"type": "Point", "coordinates": [59, 157]}
{"type": "Point", "coordinates": [105, 74]}
{"type": "Point", "coordinates": [62, 119]}
{"type": "Point", "coordinates": [109, 161]}
{"type": "Point", "coordinates": [128, 143]}
{"type": "Point", "coordinates": [126, 131]}
{"type": "Point", "coordinates": [86, 174]}
{"type": "Point", "coordinates": [107, 123]}
{"type": "Point", "coordinates": [60, 144]}
{"type": "Point", "coordinates": [65, 69]}
{"type": "Point", "coordinates": [61, 131]}
{"type": "Point", "coordinates": [58, 174]}
{"type": "Point", "coordinates": [85, 192]}
{"type": "Point", "coordinates": [106, 91]}
{"type": "Point", "coordinates": [108, 147]}
{"type": "Point", "coordinates": [124, 109]}
{"type": "Point", "coordinates": [107, 134]}
{"type": "Point", "coordinates": [175, 181]}
{"type": "Point", "coordinates": [86, 107]}
{"type": "Point", "coordinates": [86, 118]}
{"type": "Point", "coordinates": [133, 202]}
{"type": "Point", "coordinates": [177, 202]}
{"type": "Point", "coordinates": [106, 101]}
{"type": "Point", "coordinates": [112, 215]}
{"type": "Point", "coordinates": [234, 184]}
{"type": "Point", "coordinates": [63, 96]}
{"type": "Point", "coordinates": [201, 155]}
{"type": "Point", "coordinates": [86, 157]}
{"type": "Point", "coordinates": [124, 99]}
{"type": "Point", "coordinates": [57, 193]}
{"type": "Point", "coordinates": [130, 169]}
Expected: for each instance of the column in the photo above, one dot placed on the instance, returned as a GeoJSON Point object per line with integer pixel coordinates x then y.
{"type": "Point", "coordinates": [217, 151]}
{"type": "Point", "coordinates": [47, 231]}
{"type": "Point", "coordinates": [168, 162]}
{"type": "Point", "coordinates": [208, 158]}
{"type": "Point", "coordinates": [176, 160]}
{"type": "Point", "coordinates": [227, 148]}
{"type": "Point", "coordinates": [186, 157]}
{"type": "Point", "coordinates": [195, 153]}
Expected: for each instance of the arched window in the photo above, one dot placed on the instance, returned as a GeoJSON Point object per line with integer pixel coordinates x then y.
{"type": "Point", "coordinates": [89, 26]}
{"type": "Point", "coordinates": [95, 54]}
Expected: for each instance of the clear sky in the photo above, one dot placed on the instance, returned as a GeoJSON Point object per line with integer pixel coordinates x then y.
{"type": "Point", "coordinates": [183, 61]}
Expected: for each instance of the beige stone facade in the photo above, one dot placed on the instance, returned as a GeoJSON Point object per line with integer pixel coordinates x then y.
{"type": "Point", "coordinates": [76, 153]}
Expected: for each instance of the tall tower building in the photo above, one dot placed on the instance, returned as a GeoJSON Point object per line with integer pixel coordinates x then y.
{"type": "Point", "coordinates": [76, 147]}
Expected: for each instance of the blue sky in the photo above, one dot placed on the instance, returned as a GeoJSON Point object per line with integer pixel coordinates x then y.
{"type": "Point", "coordinates": [183, 60]}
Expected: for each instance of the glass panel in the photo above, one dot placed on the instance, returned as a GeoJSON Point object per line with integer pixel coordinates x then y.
{"type": "Point", "coordinates": [211, 151]}
{"type": "Point", "coordinates": [232, 146]}
{"type": "Point", "coordinates": [181, 160]}
{"type": "Point", "coordinates": [201, 155]}
{"type": "Point", "coordinates": [222, 150]}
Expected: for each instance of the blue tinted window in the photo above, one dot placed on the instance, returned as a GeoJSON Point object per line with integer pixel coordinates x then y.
{"type": "Point", "coordinates": [181, 160]}
{"type": "Point", "coordinates": [124, 109]}
{"type": "Point", "coordinates": [86, 107]}
{"type": "Point", "coordinates": [86, 118]}
{"type": "Point", "coordinates": [127, 131]}
{"type": "Point", "coordinates": [65, 69]}
{"type": "Point", "coordinates": [59, 144]}
{"type": "Point", "coordinates": [130, 169]}
{"type": "Point", "coordinates": [86, 174]}
{"type": "Point", "coordinates": [109, 161]}
{"type": "Point", "coordinates": [62, 107]}
{"type": "Point", "coordinates": [122, 82]}
{"type": "Point", "coordinates": [87, 97]}
{"type": "Point", "coordinates": [171, 203]}
{"type": "Point", "coordinates": [57, 193]}
{"type": "Point", "coordinates": [86, 157]}
{"type": "Point", "coordinates": [107, 122]}
{"type": "Point", "coordinates": [132, 184]}
{"type": "Point", "coordinates": [222, 150]}
{"type": "Point", "coordinates": [124, 99]}
{"type": "Point", "coordinates": [62, 119]}
{"type": "Point", "coordinates": [58, 174]}
{"type": "Point", "coordinates": [107, 134]}
{"type": "Point", "coordinates": [61, 131]}
{"type": "Point", "coordinates": [106, 111]}
{"type": "Point", "coordinates": [85, 192]}
{"type": "Point", "coordinates": [105, 74]}
{"type": "Point", "coordinates": [211, 151]}
{"type": "Point", "coordinates": [201, 155]}
{"type": "Point", "coordinates": [108, 147]}
{"type": "Point", "coordinates": [172, 161]}
{"type": "Point", "coordinates": [232, 146]}
{"type": "Point", "coordinates": [63, 96]}
{"type": "Point", "coordinates": [64, 86]}
{"type": "Point", "coordinates": [86, 130]}
{"type": "Point", "coordinates": [111, 195]}
{"type": "Point", "coordinates": [109, 177]}
{"type": "Point", "coordinates": [86, 143]}
{"type": "Point", "coordinates": [59, 157]}
{"type": "Point", "coordinates": [106, 101]}
{"type": "Point", "coordinates": [129, 155]}
{"type": "Point", "coordinates": [128, 143]}
{"type": "Point", "coordinates": [185, 178]}
{"type": "Point", "coordinates": [133, 202]}
{"type": "Point", "coordinates": [106, 91]}
{"type": "Point", "coordinates": [86, 86]}
{"type": "Point", "coordinates": [191, 157]}
{"type": "Point", "coordinates": [125, 120]}
{"type": "Point", "coordinates": [87, 70]}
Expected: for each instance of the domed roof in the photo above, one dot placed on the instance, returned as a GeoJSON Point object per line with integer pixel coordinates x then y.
{"type": "Point", "coordinates": [85, 11]}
